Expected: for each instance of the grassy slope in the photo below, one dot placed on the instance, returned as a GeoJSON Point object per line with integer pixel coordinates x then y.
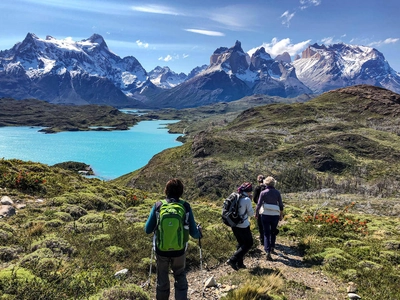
{"type": "Point", "coordinates": [75, 233]}
{"type": "Point", "coordinates": [346, 140]}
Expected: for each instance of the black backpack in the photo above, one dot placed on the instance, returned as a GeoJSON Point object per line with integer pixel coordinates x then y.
{"type": "Point", "coordinates": [230, 211]}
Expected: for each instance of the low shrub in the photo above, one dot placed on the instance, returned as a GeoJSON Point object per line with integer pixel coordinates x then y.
{"type": "Point", "coordinates": [126, 292]}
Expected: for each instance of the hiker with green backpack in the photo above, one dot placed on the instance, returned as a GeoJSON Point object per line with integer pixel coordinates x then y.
{"type": "Point", "coordinates": [172, 222]}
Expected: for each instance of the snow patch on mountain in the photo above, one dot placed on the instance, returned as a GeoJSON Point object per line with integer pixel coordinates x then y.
{"type": "Point", "coordinates": [323, 68]}
{"type": "Point", "coordinates": [165, 78]}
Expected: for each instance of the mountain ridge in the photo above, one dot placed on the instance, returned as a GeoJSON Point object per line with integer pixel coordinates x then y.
{"type": "Point", "coordinates": [87, 72]}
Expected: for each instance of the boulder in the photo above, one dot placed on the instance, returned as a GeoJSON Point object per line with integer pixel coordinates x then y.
{"type": "Point", "coordinates": [7, 211]}
{"type": "Point", "coordinates": [5, 200]}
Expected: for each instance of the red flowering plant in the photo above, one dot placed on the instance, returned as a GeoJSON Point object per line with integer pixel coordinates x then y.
{"type": "Point", "coordinates": [339, 223]}
{"type": "Point", "coordinates": [23, 181]}
{"type": "Point", "coordinates": [135, 197]}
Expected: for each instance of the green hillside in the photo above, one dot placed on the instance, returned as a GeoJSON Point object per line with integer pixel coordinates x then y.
{"type": "Point", "coordinates": [64, 236]}
{"type": "Point", "coordinates": [346, 140]}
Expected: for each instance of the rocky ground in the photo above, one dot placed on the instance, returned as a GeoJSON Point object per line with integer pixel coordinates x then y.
{"type": "Point", "coordinates": [308, 282]}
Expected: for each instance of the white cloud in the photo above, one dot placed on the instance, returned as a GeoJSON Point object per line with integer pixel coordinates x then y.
{"type": "Point", "coordinates": [185, 55]}
{"type": "Point", "coordinates": [277, 47]}
{"type": "Point", "coordinates": [88, 6]}
{"type": "Point", "coordinates": [328, 40]}
{"type": "Point", "coordinates": [169, 58]}
{"type": "Point", "coordinates": [157, 9]}
{"type": "Point", "coordinates": [332, 40]}
{"type": "Point", "coordinates": [391, 40]}
{"type": "Point", "coordinates": [307, 3]}
{"type": "Point", "coordinates": [141, 44]}
{"type": "Point", "coordinates": [384, 42]}
{"type": "Point", "coordinates": [237, 16]}
{"type": "Point", "coordinates": [206, 32]}
{"type": "Point", "coordinates": [286, 17]}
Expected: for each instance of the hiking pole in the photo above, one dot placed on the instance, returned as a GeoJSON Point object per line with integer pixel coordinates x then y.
{"type": "Point", "coordinates": [151, 264]}
{"type": "Point", "coordinates": [201, 256]}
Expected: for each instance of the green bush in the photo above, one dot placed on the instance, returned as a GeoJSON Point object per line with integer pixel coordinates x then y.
{"type": "Point", "coordinates": [126, 292]}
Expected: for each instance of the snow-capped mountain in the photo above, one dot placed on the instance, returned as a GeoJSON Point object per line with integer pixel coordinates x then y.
{"type": "Point", "coordinates": [323, 68]}
{"type": "Point", "coordinates": [231, 75]}
{"type": "Point", "coordinates": [65, 71]}
{"type": "Point", "coordinates": [87, 72]}
{"type": "Point", "coordinates": [165, 78]}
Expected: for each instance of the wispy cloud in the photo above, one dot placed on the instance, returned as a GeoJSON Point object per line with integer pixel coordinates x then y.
{"type": "Point", "coordinates": [157, 9]}
{"type": "Point", "coordinates": [384, 42]}
{"type": "Point", "coordinates": [237, 16]}
{"type": "Point", "coordinates": [84, 5]}
{"type": "Point", "coordinates": [206, 32]}
{"type": "Point", "coordinates": [141, 44]}
{"type": "Point", "coordinates": [307, 3]}
{"type": "Point", "coordinates": [169, 57]}
{"type": "Point", "coordinates": [286, 17]}
{"type": "Point", "coordinates": [329, 40]}
{"type": "Point", "coordinates": [277, 47]}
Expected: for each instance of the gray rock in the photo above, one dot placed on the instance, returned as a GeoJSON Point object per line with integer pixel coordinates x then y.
{"type": "Point", "coordinates": [5, 200]}
{"type": "Point", "coordinates": [352, 287]}
{"type": "Point", "coordinates": [7, 211]}
{"type": "Point", "coordinates": [121, 274]}
{"type": "Point", "coordinates": [210, 282]}
{"type": "Point", "coordinates": [353, 296]}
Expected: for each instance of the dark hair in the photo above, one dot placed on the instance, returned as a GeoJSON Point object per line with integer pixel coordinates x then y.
{"type": "Point", "coordinates": [245, 187]}
{"type": "Point", "coordinates": [174, 188]}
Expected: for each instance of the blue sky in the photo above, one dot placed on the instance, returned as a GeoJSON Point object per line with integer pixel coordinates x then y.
{"type": "Point", "coordinates": [182, 34]}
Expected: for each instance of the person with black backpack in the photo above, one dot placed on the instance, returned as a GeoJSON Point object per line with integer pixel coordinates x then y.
{"type": "Point", "coordinates": [172, 222]}
{"type": "Point", "coordinates": [257, 191]}
{"type": "Point", "coordinates": [242, 229]}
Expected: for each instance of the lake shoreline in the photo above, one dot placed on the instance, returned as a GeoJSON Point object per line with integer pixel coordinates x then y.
{"type": "Point", "coordinates": [110, 154]}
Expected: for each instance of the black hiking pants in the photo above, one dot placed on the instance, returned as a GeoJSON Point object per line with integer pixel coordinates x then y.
{"type": "Point", "coordinates": [177, 264]}
{"type": "Point", "coordinates": [245, 242]}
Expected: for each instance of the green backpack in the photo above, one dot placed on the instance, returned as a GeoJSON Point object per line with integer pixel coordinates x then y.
{"type": "Point", "coordinates": [172, 230]}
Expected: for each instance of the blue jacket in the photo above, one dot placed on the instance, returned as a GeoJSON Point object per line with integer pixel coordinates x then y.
{"type": "Point", "coordinates": [151, 225]}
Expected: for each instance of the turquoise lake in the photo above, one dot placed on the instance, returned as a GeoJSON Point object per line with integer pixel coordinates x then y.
{"type": "Point", "coordinates": [109, 153]}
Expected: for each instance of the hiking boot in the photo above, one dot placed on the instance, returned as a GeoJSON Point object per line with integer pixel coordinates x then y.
{"type": "Point", "coordinates": [241, 266]}
{"type": "Point", "coordinates": [269, 257]}
{"type": "Point", "coordinates": [232, 264]}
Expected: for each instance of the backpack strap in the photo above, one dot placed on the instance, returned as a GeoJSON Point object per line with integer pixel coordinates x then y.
{"type": "Point", "coordinates": [165, 201]}
{"type": "Point", "coordinates": [241, 196]}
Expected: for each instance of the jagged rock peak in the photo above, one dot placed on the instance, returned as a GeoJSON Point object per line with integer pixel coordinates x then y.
{"type": "Point", "coordinates": [237, 47]}
{"type": "Point", "coordinates": [30, 36]}
{"type": "Point", "coordinates": [285, 57]}
{"type": "Point", "coordinates": [261, 51]}
{"type": "Point", "coordinates": [220, 50]}
{"type": "Point", "coordinates": [98, 39]}
{"type": "Point", "coordinates": [308, 52]}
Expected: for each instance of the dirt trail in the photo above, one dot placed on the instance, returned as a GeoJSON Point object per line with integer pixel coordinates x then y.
{"type": "Point", "coordinates": [312, 283]}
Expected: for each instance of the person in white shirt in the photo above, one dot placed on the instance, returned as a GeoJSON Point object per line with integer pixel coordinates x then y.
{"type": "Point", "coordinates": [242, 231]}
